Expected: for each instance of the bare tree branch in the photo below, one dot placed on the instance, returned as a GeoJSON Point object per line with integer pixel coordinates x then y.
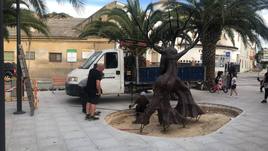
{"type": "Point", "coordinates": [151, 44]}
{"type": "Point", "coordinates": [179, 55]}
{"type": "Point", "coordinates": [183, 28]}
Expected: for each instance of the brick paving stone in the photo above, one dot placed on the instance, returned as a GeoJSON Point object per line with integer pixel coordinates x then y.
{"type": "Point", "coordinates": [223, 147]}
{"type": "Point", "coordinates": [47, 134]}
{"type": "Point", "coordinates": [107, 143]}
{"type": "Point", "coordinates": [73, 135]}
{"type": "Point", "coordinates": [72, 144]}
{"type": "Point", "coordinates": [84, 148]}
{"type": "Point", "coordinates": [29, 147]}
{"type": "Point", "coordinates": [249, 147]}
{"type": "Point", "coordinates": [56, 147]}
{"type": "Point", "coordinates": [50, 142]}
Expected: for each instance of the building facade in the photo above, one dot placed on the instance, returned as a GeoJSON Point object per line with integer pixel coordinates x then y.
{"type": "Point", "coordinates": [58, 54]}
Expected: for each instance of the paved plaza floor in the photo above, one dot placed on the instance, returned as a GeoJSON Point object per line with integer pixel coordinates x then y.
{"type": "Point", "coordinates": [59, 125]}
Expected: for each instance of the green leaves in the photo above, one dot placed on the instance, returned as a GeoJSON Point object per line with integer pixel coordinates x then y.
{"type": "Point", "coordinates": [231, 15]}
{"type": "Point", "coordinates": [120, 23]}
{"type": "Point", "coordinates": [29, 20]}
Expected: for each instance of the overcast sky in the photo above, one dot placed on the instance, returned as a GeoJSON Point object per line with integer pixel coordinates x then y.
{"type": "Point", "coordinates": [91, 6]}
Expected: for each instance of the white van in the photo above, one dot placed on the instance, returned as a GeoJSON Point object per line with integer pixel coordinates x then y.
{"type": "Point", "coordinates": [113, 80]}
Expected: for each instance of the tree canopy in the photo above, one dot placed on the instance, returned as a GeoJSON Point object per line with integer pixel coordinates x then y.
{"type": "Point", "coordinates": [213, 17]}
{"type": "Point", "coordinates": [28, 19]}
{"type": "Point", "coordinates": [158, 25]}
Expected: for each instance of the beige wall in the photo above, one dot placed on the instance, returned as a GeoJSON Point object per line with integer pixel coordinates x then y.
{"type": "Point", "coordinates": [42, 68]}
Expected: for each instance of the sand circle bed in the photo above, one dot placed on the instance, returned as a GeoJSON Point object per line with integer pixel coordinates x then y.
{"type": "Point", "coordinates": [216, 116]}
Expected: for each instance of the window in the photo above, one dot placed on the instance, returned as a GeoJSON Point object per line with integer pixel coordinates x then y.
{"type": "Point", "coordinates": [9, 56]}
{"type": "Point", "coordinates": [55, 57]}
{"type": "Point", "coordinates": [30, 55]}
{"type": "Point", "coordinates": [110, 60]}
{"type": "Point", "coordinates": [219, 61]}
{"type": "Point", "coordinates": [90, 60]}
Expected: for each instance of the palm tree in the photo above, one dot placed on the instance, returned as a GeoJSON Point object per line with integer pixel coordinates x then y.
{"type": "Point", "coordinates": [28, 20]}
{"type": "Point", "coordinates": [160, 29]}
{"type": "Point", "coordinates": [213, 17]}
{"type": "Point", "coordinates": [118, 26]}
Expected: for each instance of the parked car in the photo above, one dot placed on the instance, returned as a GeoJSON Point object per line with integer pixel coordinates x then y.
{"type": "Point", "coordinates": [10, 70]}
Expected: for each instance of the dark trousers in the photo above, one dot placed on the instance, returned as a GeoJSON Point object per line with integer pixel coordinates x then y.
{"type": "Point", "coordinates": [83, 99]}
{"type": "Point", "coordinates": [229, 81]}
{"type": "Point", "coordinates": [261, 87]}
{"type": "Point", "coordinates": [266, 93]}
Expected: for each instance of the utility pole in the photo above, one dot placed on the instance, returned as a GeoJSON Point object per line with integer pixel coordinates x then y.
{"type": "Point", "coordinates": [2, 89]}
{"type": "Point", "coordinates": [19, 74]}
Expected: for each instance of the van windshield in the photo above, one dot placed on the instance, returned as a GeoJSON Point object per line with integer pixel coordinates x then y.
{"type": "Point", "coordinates": [90, 60]}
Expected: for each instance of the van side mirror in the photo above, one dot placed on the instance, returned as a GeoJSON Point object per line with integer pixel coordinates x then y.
{"type": "Point", "coordinates": [117, 72]}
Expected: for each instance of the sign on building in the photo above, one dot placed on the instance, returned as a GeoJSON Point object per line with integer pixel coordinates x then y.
{"type": "Point", "coordinates": [71, 55]}
{"type": "Point", "coordinates": [227, 56]}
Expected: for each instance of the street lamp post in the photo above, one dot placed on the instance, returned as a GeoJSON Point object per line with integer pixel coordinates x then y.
{"type": "Point", "coordinates": [2, 89]}
{"type": "Point", "coordinates": [19, 74]}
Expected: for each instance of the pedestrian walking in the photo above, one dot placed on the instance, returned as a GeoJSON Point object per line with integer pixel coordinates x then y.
{"type": "Point", "coordinates": [265, 84]}
{"type": "Point", "coordinates": [231, 73]}
{"type": "Point", "coordinates": [93, 90]}
{"type": "Point", "coordinates": [233, 84]}
{"type": "Point", "coordinates": [261, 84]}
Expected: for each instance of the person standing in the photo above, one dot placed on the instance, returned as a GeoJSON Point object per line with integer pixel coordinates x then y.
{"type": "Point", "coordinates": [233, 84]}
{"type": "Point", "coordinates": [231, 73]}
{"type": "Point", "coordinates": [265, 84]}
{"type": "Point", "coordinates": [83, 92]}
{"type": "Point", "coordinates": [93, 90]}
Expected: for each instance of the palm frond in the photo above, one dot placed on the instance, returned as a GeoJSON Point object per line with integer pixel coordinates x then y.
{"type": "Point", "coordinates": [76, 3]}
{"type": "Point", "coordinates": [39, 6]}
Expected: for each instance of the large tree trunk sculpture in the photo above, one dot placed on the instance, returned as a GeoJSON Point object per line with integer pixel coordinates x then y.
{"type": "Point", "coordinates": [167, 84]}
{"type": "Point", "coordinates": [208, 59]}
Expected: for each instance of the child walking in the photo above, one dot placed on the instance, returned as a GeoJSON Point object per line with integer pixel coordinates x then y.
{"type": "Point", "coordinates": [218, 79]}
{"type": "Point", "coordinates": [233, 85]}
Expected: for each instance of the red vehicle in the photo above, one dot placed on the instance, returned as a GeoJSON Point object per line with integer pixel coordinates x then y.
{"type": "Point", "coordinates": [218, 87]}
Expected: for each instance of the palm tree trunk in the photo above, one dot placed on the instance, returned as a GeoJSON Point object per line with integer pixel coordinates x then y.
{"type": "Point", "coordinates": [209, 43]}
{"type": "Point", "coordinates": [208, 56]}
